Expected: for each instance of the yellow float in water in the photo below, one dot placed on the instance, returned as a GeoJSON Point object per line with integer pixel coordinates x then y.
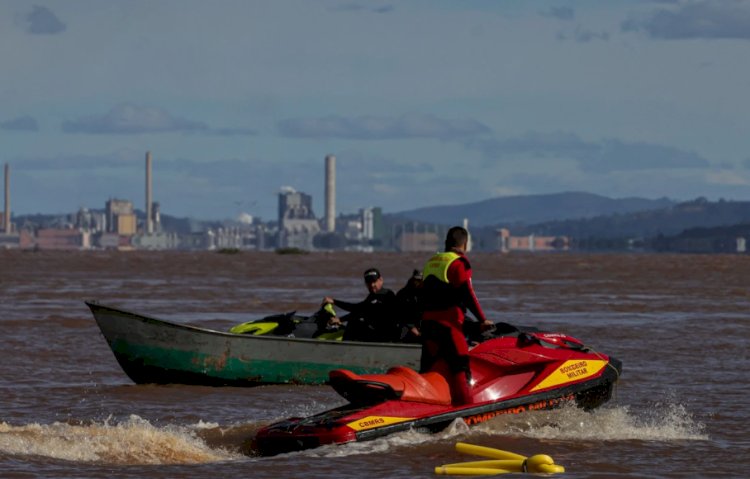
{"type": "Point", "coordinates": [500, 462]}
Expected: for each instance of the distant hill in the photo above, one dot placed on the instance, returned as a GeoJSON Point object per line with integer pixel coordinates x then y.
{"type": "Point", "coordinates": [530, 209]}
{"type": "Point", "coordinates": [673, 220]}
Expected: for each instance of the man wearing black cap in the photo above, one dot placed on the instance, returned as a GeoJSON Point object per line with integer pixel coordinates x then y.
{"type": "Point", "coordinates": [375, 318]}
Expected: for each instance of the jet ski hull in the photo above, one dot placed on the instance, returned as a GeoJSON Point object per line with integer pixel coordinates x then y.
{"type": "Point", "coordinates": [340, 425]}
{"type": "Point", "coordinates": [576, 376]}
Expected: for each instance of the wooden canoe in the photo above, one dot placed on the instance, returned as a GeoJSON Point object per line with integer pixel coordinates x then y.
{"type": "Point", "coordinates": [152, 350]}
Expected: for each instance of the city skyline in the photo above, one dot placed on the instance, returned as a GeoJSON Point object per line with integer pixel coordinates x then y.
{"type": "Point", "coordinates": [422, 103]}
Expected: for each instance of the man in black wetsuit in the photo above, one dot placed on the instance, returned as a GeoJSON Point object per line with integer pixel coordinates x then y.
{"type": "Point", "coordinates": [375, 318]}
{"type": "Point", "coordinates": [410, 307]}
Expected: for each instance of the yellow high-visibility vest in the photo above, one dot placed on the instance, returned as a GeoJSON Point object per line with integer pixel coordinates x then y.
{"type": "Point", "coordinates": [438, 265]}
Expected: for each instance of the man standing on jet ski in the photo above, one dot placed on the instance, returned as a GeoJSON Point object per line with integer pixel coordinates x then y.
{"type": "Point", "coordinates": [447, 293]}
{"type": "Point", "coordinates": [375, 318]}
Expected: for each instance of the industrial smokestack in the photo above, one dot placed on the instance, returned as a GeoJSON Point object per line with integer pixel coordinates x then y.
{"type": "Point", "coordinates": [6, 215]}
{"type": "Point", "coordinates": [468, 240]}
{"type": "Point", "coordinates": [330, 193]}
{"type": "Point", "coordinates": [149, 201]}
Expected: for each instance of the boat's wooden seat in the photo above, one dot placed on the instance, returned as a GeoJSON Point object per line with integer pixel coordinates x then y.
{"type": "Point", "coordinates": [398, 383]}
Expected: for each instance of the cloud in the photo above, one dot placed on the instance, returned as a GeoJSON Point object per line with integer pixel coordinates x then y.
{"type": "Point", "coordinates": [355, 7]}
{"type": "Point", "coordinates": [580, 34]}
{"type": "Point", "coordinates": [119, 159]}
{"type": "Point", "coordinates": [535, 144]}
{"type": "Point", "coordinates": [616, 155]}
{"type": "Point", "coordinates": [560, 13]}
{"type": "Point", "coordinates": [378, 128]}
{"type": "Point", "coordinates": [42, 21]}
{"type": "Point", "coordinates": [230, 171]}
{"type": "Point", "coordinates": [583, 35]}
{"type": "Point", "coordinates": [728, 178]}
{"type": "Point", "coordinates": [131, 119]}
{"type": "Point", "coordinates": [384, 9]}
{"type": "Point", "coordinates": [600, 157]}
{"type": "Point", "coordinates": [232, 131]}
{"type": "Point", "coordinates": [710, 20]}
{"type": "Point", "coordinates": [387, 168]}
{"type": "Point", "coordinates": [22, 123]}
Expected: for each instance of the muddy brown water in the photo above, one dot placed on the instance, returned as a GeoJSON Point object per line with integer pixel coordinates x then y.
{"type": "Point", "coordinates": [679, 323]}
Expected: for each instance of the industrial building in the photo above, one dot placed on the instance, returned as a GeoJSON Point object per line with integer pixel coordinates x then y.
{"type": "Point", "coordinates": [119, 226]}
{"type": "Point", "coordinates": [508, 243]}
{"type": "Point", "coordinates": [297, 222]}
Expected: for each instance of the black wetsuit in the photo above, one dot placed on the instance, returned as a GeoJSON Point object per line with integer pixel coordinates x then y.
{"type": "Point", "coordinates": [374, 319]}
{"type": "Point", "coordinates": [410, 310]}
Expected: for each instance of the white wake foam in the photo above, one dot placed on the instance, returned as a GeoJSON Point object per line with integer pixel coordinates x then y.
{"type": "Point", "coordinates": [664, 422]}
{"type": "Point", "coordinates": [135, 441]}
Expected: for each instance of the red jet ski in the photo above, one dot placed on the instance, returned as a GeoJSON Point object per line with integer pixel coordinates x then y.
{"type": "Point", "coordinates": [512, 371]}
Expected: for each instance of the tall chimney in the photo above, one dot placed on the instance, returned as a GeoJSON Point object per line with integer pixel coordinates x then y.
{"type": "Point", "coordinates": [149, 201]}
{"type": "Point", "coordinates": [468, 240]}
{"type": "Point", "coordinates": [6, 215]}
{"type": "Point", "coordinates": [330, 193]}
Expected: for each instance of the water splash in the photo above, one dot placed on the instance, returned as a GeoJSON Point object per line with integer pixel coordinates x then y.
{"type": "Point", "coordinates": [667, 422]}
{"type": "Point", "coordinates": [412, 437]}
{"type": "Point", "coordinates": [135, 441]}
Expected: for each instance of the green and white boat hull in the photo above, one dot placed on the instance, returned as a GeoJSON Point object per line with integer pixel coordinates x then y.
{"type": "Point", "coordinates": [152, 350]}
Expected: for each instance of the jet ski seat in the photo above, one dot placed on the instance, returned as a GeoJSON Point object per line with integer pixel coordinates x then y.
{"type": "Point", "coordinates": [399, 382]}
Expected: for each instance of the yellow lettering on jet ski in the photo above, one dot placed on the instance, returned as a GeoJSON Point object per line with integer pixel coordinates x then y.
{"type": "Point", "coordinates": [370, 422]}
{"type": "Point", "coordinates": [573, 370]}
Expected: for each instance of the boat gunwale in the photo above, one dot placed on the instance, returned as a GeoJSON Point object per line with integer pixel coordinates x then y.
{"type": "Point", "coordinates": [94, 305]}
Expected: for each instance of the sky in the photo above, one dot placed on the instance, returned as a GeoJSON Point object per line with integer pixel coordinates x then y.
{"type": "Point", "coordinates": [423, 102]}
